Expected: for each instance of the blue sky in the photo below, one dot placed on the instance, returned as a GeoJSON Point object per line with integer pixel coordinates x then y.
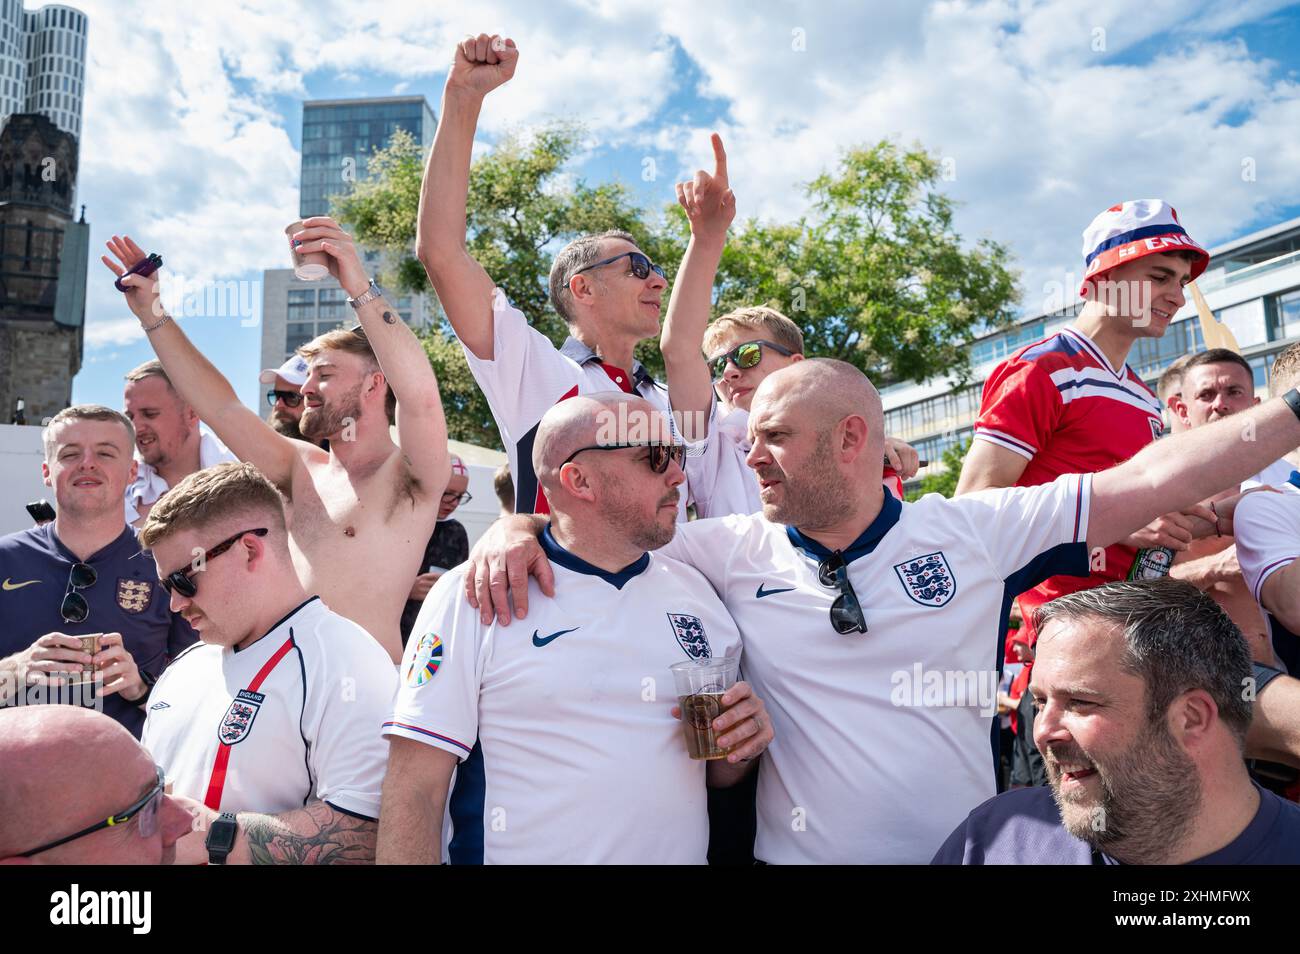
{"type": "Point", "coordinates": [1050, 111]}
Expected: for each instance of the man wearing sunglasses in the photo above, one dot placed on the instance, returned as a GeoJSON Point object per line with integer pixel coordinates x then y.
{"type": "Point", "coordinates": [78, 789]}
{"type": "Point", "coordinates": [740, 349]}
{"type": "Point", "coordinates": [448, 547]}
{"type": "Point", "coordinates": [851, 604]}
{"type": "Point", "coordinates": [604, 287]}
{"type": "Point", "coordinates": [569, 735]}
{"type": "Point", "coordinates": [284, 396]}
{"type": "Point", "coordinates": [273, 717]}
{"type": "Point", "coordinates": [84, 574]}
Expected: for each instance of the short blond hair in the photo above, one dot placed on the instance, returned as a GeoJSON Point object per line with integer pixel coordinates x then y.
{"type": "Point", "coordinates": [1285, 371]}
{"type": "Point", "coordinates": [86, 412]}
{"type": "Point", "coordinates": [150, 369]}
{"type": "Point", "coordinates": [768, 322]}
{"type": "Point", "coordinates": [212, 495]}
{"type": "Point", "coordinates": [353, 341]}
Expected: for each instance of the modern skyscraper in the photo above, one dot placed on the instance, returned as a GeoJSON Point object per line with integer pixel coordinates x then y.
{"type": "Point", "coordinates": [338, 138]}
{"type": "Point", "coordinates": [43, 62]}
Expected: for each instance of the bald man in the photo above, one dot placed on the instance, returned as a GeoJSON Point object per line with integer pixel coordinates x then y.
{"type": "Point", "coordinates": [78, 789]}
{"type": "Point", "coordinates": [579, 758]}
{"type": "Point", "coordinates": [873, 627]}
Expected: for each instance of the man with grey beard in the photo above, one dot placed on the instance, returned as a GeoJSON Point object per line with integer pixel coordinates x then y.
{"type": "Point", "coordinates": [1143, 692]}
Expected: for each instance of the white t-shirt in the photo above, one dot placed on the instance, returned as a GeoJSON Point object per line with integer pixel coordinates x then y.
{"type": "Point", "coordinates": [291, 719]}
{"type": "Point", "coordinates": [149, 485]}
{"type": "Point", "coordinates": [1266, 529]}
{"type": "Point", "coordinates": [582, 761]}
{"type": "Point", "coordinates": [864, 766]}
{"type": "Point", "coordinates": [721, 482]}
{"type": "Point", "coordinates": [528, 375]}
{"type": "Point", "coordinates": [1274, 475]}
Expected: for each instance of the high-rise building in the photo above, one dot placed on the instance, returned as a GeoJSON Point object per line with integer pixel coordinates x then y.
{"type": "Point", "coordinates": [43, 252]}
{"type": "Point", "coordinates": [338, 138]}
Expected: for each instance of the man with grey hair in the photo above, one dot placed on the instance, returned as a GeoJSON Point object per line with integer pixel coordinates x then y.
{"type": "Point", "coordinates": [833, 556]}
{"type": "Point", "coordinates": [1143, 692]}
{"type": "Point", "coordinates": [584, 761]}
{"type": "Point", "coordinates": [604, 287]}
{"type": "Point", "coordinates": [84, 575]}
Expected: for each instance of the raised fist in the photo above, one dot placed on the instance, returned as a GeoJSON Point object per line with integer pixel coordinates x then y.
{"type": "Point", "coordinates": [482, 63]}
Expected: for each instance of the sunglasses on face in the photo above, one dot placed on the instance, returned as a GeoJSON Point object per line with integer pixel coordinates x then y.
{"type": "Point", "coordinates": [846, 612]}
{"type": "Point", "coordinates": [744, 356]}
{"type": "Point", "coordinates": [146, 808]}
{"type": "Point", "coordinates": [660, 454]}
{"type": "Point", "coordinates": [290, 398]}
{"type": "Point", "coordinates": [457, 498]}
{"type": "Point", "coordinates": [75, 609]}
{"type": "Point", "coordinates": [641, 266]}
{"type": "Point", "coordinates": [183, 583]}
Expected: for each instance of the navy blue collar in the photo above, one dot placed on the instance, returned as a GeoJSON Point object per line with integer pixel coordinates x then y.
{"type": "Point", "coordinates": [890, 510]}
{"type": "Point", "coordinates": [1294, 479]}
{"type": "Point", "coordinates": [575, 350]}
{"type": "Point", "coordinates": [125, 538]}
{"type": "Point", "coordinates": [557, 554]}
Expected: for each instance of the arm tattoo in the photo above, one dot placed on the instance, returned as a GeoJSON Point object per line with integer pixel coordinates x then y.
{"type": "Point", "coordinates": [314, 835]}
{"type": "Point", "coordinates": [390, 318]}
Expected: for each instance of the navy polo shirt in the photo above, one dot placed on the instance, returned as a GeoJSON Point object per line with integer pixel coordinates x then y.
{"type": "Point", "coordinates": [126, 598]}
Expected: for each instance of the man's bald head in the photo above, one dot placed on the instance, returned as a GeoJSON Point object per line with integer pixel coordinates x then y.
{"type": "Point", "coordinates": [821, 392]}
{"type": "Point", "coordinates": [65, 769]}
{"type": "Point", "coordinates": [588, 421]}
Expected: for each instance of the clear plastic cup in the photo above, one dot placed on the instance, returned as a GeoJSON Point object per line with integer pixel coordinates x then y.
{"type": "Point", "coordinates": [701, 684]}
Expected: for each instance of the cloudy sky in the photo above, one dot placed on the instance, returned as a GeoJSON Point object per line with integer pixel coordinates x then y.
{"type": "Point", "coordinates": [1049, 112]}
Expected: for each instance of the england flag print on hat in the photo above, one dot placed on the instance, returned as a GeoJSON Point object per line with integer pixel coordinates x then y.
{"type": "Point", "coordinates": [1133, 230]}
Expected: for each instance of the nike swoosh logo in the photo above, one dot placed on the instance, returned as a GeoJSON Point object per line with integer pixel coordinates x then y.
{"type": "Point", "coordinates": [18, 586]}
{"type": "Point", "coordinates": [539, 640]}
{"type": "Point", "coordinates": [762, 592]}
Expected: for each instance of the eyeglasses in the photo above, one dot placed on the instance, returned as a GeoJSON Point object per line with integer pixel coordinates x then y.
{"type": "Point", "coordinates": [846, 612]}
{"type": "Point", "coordinates": [660, 454]}
{"type": "Point", "coordinates": [457, 499]}
{"type": "Point", "coordinates": [146, 808]}
{"type": "Point", "coordinates": [641, 266]}
{"type": "Point", "coordinates": [290, 398]}
{"type": "Point", "coordinates": [75, 609]}
{"type": "Point", "coordinates": [744, 356]}
{"type": "Point", "coordinates": [183, 583]}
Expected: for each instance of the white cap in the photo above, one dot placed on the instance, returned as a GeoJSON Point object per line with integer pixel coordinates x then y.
{"type": "Point", "coordinates": [294, 371]}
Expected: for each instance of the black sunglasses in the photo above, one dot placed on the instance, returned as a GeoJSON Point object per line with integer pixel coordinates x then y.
{"type": "Point", "coordinates": [146, 808]}
{"type": "Point", "coordinates": [846, 612]}
{"type": "Point", "coordinates": [75, 609]}
{"type": "Point", "coordinates": [183, 583]}
{"type": "Point", "coordinates": [641, 266]}
{"type": "Point", "coordinates": [660, 454]}
{"type": "Point", "coordinates": [744, 356]}
{"type": "Point", "coordinates": [290, 398]}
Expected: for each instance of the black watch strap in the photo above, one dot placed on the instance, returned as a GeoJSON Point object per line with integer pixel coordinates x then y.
{"type": "Point", "coordinates": [149, 681]}
{"type": "Point", "coordinates": [1292, 399]}
{"type": "Point", "coordinates": [221, 838]}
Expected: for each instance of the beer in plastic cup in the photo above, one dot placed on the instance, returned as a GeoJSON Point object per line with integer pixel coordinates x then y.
{"type": "Point", "coordinates": [700, 686]}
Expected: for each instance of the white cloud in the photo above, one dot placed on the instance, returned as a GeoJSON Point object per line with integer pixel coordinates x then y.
{"type": "Point", "coordinates": [112, 333]}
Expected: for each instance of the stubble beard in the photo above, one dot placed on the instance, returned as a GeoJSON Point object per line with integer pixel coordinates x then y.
{"type": "Point", "coordinates": [320, 422]}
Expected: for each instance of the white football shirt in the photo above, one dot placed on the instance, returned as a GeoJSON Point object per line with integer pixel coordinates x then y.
{"type": "Point", "coordinates": [721, 482]}
{"type": "Point", "coordinates": [884, 739]}
{"type": "Point", "coordinates": [1274, 475]}
{"type": "Point", "coordinates": [528, 375]}
{"type": "Point", "coordinates": [290, 719]}
{"type": "Point", "coordinates": [1266, 529]}
{"type": "Point", "coordinates": [582, 761]}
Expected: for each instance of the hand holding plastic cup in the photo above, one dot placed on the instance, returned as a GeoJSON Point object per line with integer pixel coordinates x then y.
{"type": "Point", "coordinates": [701, 684]}
{"type": "Point", "coordinates": [89, 645]}
{"type": "Point", "coordinates": [311, 266]}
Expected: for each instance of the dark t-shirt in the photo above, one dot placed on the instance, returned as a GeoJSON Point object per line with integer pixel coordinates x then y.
{"type": "Point", "coordinates": [1024, 828]}
{"type": "Point", "coordinates": [448, 547]}
{"type": "Point", "coordinates": [125, 598]}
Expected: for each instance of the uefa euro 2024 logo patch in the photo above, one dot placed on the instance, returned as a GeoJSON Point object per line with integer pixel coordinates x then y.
{"type": "Point", "coordinates": [428, 657]}
{"type": "Point", "coordinates": [927, 579]}
{"type": "Point", "coordinates": [690, 635]}
{"type": "Point", "coordinates": [238, 721]}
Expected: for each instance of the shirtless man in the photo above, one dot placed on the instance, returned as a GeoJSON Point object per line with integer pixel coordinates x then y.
{"type": "Point", "coordinates": [360, 513]}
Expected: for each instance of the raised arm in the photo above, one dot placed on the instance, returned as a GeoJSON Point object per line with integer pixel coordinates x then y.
{"type": "Point", "coordinates": [710, 206]}
{"type": "Point", "coordinates": [414, 798]}
{"type": "Point", "coordinates": [197, 380]}
{"type": "Point", "coordinates": [421, 426]}
{"type": "Point", "coordinates": [480, 65]}
{"type": "Point", "coordinates": [1176, 472]}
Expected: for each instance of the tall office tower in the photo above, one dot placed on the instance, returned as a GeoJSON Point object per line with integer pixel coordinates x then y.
{"type": "Point", "coordinates": [43, 252]}
{"type": "Point", "coordinates": [338, 138]}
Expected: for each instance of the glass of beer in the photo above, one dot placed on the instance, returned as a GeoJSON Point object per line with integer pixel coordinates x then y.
{"type": "Point", "coordinates": [311, 267]}
{"type": "Point", "coordinates": [700, 686]}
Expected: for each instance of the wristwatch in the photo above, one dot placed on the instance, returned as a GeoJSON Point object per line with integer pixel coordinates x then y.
{"type": "Point", "coordinates": [367, 296]}
{"type": "Point", "coordinates": [221, 838]}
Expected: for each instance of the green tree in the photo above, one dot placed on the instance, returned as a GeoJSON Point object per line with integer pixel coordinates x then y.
{"type": "Point", "coordinates": [875, 274]}
{"type": "Point", "coordinates": [944, 481]}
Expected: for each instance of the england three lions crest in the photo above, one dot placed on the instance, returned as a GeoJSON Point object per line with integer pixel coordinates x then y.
{"type": "Point", "coordinates": [238, 721]}
{"type": "Point", "coordinates": [927, 579]}
{"type": "Point", "coordinates": [134, 596]}
{"type": "Point", "coordinates": [690, 635]}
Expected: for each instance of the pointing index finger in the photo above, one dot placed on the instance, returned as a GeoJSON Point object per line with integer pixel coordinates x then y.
{"type": "Point", "coordinates": [719, 158]}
